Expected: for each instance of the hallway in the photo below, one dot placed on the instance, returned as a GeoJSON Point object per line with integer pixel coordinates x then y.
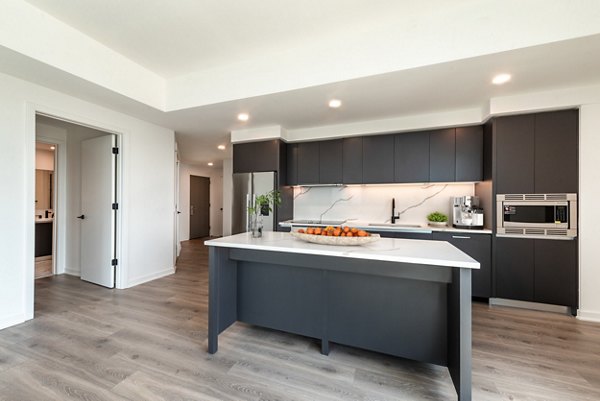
{"type": "Point", "coordinates": [149, 343]}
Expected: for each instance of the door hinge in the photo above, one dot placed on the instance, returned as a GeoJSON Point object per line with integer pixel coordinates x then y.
{"type": "Point", "coordinates": [115, 206]}
{"type": "Point", "coordinates": [115, 150]}
{"type": "Point", "coordinates": [114, 262]}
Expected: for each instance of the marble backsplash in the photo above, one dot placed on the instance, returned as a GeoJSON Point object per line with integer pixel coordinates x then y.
{"type": "Point", "coordinates": [373, 203]}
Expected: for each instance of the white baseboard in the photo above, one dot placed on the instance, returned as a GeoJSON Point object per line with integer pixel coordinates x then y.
{"type": "Point", "coordinates": [588, 316]}
{"type": "Point", "coordinates": [9, 321]}
{"type": "Point", "coordinates": [530, 305]}
{"type": "Point", "coordinates": [150, 277]}
{"type": "Point", "coordinates": [73, 272]}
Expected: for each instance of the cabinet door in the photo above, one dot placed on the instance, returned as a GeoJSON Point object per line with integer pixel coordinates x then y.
{"type": "Point", "coordinates": [256, 156]}
{"type": "Point", "coordinates": [378, 159]}
{"type": "Point", "coordinates": [514, 154]}
{"type": "Point", "coordinates": [308, 163]}
{"type": "Point", "coordinates": [43, 239]}
{"type": "Point", "coordinates": [292, 164]}
{"type": "Point", "coordinates": [442, 155]}
{"type": "Point", "coordinates": [330, 162]}
{"type": "Point", "coordinates": [514, 269]}
{"type": "Point", "coordinates": [556, 272]}
{"type": "Point", "coordinates": [556, 144]}
{"type": "Point", "coordinates": [352, 160]}
{"type": "Point", "coordinates": [469, 153]}
{"type": "Point", "coordinates": [411, 157]}
{"type": "Point", "coordinates": [479, 247]}
{"type": "Point", "coordinates": [403, 235]}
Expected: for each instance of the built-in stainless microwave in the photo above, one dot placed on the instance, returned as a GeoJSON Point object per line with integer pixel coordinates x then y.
{"type": "Point", "coordinates": [551, 216]}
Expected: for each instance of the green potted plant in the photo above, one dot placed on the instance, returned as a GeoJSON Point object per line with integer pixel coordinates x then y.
{"type": "Point", "coordinates": [437, 219]}
{"type": "Point", "coordinates": [262, 205]}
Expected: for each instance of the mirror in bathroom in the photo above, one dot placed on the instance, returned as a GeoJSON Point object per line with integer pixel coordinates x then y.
{"type": "Point", "coordinates": [43, 189]}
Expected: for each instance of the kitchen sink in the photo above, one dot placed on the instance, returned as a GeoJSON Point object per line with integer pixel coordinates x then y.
{"type": "Point", "coordinates": [396, 225]}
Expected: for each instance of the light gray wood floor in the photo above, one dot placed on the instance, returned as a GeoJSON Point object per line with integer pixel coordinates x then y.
{"type": "Point", "coordinates": [149, 343]}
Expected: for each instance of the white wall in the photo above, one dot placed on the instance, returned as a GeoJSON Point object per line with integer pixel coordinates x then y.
{"type": "Point", "coordinates": [147, 209]}
{"type": "Point", "coordinates": [44, 159]}
{"type": "Point", "coordinates": [589, 195]}
{"type": "Point", "coordinates": [373, 204]}
{"type": "Point", "coordinates": [216, 199]}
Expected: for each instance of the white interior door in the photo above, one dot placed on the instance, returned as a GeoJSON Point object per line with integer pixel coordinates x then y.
{"type": "Point", "coordinates": [98, 193]}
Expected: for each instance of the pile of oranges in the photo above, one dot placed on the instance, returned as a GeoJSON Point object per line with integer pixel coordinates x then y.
{"type": "Point", "coordinates": [335, 231]}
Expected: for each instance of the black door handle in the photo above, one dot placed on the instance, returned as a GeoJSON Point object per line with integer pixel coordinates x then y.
{"type": "Point", "coordinates": [82, 217]}
{"type": "Point", "coordinates": [178, 212]}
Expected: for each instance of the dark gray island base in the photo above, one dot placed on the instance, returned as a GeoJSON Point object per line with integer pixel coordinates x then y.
{"type": "Point", "coordinates": [407, 309]}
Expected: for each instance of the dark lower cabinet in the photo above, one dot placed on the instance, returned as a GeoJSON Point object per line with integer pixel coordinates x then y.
{"type": "Point", "coordinates": [43, 239]}
{"type": "Point", "coordinates": [403, 235]}
{"type": "Point", "coordinates": [514, 268]}
{"type": "Point", "coordinates": [378, 159]}
{"type": "Point", "coordinates": [556, 276]}
{"type": "Point", "coordinates": [479, 247]}
{"type": "Point", "coordinates": [442, 155]}
{"type": "Point", "coordinates": [537, 270]}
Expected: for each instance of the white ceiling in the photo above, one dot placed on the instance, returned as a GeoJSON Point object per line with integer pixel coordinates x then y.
{"type": "Point", "coordinates": [180, 37]}
{"type": "Point", "coordinates": [204, 35]}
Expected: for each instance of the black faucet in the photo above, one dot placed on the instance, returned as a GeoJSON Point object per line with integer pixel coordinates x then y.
{"type": "Point", "coordinates": [394, 217]}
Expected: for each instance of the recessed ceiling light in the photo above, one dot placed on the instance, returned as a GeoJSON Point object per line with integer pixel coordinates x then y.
{"type": "Point", "coordinates": [243, 117]}
{"type": "Point", "coordinates": [335, 103]}
{"type": "Point", "coordinates": [501, 79]}
{"type": "Point", "coordinates": [52, 147]}
{"type": "Point", "coordinates": [221, 147]}
{"type": "Point", "coordinates": [210, 164]}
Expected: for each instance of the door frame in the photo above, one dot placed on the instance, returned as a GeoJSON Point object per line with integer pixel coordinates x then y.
{"type": "Point", "coordinates": [31, 111]}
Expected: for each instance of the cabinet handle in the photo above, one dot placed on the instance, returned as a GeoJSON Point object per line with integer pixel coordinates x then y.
{"type": "Point", "coordinates": [461, 237]}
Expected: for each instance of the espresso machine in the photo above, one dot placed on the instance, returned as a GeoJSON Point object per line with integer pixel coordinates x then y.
{"type": "Point", "coordinates": [466, 212]}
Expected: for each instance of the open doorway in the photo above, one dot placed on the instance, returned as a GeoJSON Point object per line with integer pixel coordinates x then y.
{"type": "Point", "coordinates": [199, 207]}
{"type": "Point", "coordinates": [85, 200]}
{"type": "Point", "coordinates": [45, 198]}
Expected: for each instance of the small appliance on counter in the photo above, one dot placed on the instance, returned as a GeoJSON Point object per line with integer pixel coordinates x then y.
{"type": "Point", "coordinates": [466, 212]}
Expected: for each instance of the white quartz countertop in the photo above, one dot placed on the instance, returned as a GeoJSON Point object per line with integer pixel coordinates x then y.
{"type": "Point", "coordinates": [436, 253]}
{"type": "Point", "coordinates": [44, 220]}
{"type": "Point", "coordinates": [398, 227]}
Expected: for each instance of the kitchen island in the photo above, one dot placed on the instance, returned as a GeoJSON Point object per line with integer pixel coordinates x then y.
{"type": "Point", "coordinates": [407, 298]}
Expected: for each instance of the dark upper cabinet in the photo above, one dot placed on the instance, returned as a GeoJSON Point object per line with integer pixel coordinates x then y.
{"type": "Point", "coordinates": [411, 157]}
{"type": "Point", "coordinates": [330, 162]}
{"type": "Point", "coordinates": [514, 154]}
{"type": "Point", "coordinates": [292, 164]}
{"type": "Point", "coordinates": [352, 164]}
{"type": "Point", "coordinates": [378, 159]}
{"type": "Point", "coordinates": [556, 272]}
{"type": "Point", "coordinates": [469, 153]}
{"type": "Point", "coordinates": [308, 163]}
{"type": "Point", "coordinates": [256, 156]}
{"type": "Point", "coordinates": [442, 155]}
{"type": "Point", "coordinates": [479, 247]}
{"type": "Point", "coordinates": [556, 145]}
{"type": "Point", "coordinates": [514, 269]}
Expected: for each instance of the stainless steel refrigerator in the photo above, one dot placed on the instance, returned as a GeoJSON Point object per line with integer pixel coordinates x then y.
{"type": "Point", "coordinates": [246, 187]}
